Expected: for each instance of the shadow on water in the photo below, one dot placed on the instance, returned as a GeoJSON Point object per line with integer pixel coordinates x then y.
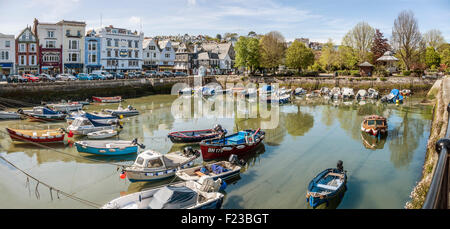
{"type": "Point", "coordinates": [373, 143]}
{"type": "Point", "coordinates": [144, 185]}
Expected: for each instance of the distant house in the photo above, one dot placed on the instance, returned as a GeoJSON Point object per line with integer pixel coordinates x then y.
{"type": "Point", "coordinates": [92, 53]}
{"type": "Point", "coordinates": [184, 59]}
{"type": "Point", "coordinates": [151, 54]}
{"type": "Point", "coordinates": [27, 52]}
{"type": "Point", "coordinates": [167, 56]}
{"type": "Point", "coordinates": [225, 54]}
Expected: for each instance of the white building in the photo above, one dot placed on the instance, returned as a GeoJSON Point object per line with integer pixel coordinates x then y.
{"type": "Point", "coordinates": [167, 56]}
{"type": "Point", "coordinates": [226, 55]}
{"type": "Point", "coordinates": [7, 54]}
{"type": "Point", "coordinates": [50, 41]}
{"type": "Point", "coordinates": [151, 54]}
{"type": "Point", "coordinates": [73, 46]}
{"type": "Point", "coordinates": [121, 49]}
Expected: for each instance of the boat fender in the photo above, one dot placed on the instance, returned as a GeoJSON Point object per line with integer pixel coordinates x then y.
{"type": "Point", "coordinates": [223, 186]}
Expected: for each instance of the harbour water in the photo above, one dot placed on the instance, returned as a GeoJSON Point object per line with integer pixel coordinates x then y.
{"type": "Point", "coordinates": [311, 135]}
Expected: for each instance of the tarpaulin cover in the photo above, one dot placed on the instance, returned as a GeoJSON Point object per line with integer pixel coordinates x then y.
{"type": "Point", "coordinates": [171, 197]}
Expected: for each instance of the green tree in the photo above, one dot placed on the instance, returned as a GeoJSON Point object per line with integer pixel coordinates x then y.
{"type": "Point", "coordinates": [219, 37]}
{"type": "Point", "coordinates": [347, 57]}
{"type": "Point", "coordinates": [444, 52]}
{"type": "Point", "coordinates": [272, 47]}
{"type": "Point", "coordinates": [329, 57]}
{"type": "Point", "coordinates": [360, 38]}
{"type": "Point", "coordinates": [432, 57]}
{"type": "Point", "coordinates": [247, 53]}
{"type": "Point", "coordinates": [298, 56]}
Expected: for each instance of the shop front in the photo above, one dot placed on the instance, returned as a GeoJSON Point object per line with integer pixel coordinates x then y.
{"type": "Point", "coordinates": [73, 68]}
{"type": "Point", "coordinates": [6, 68]}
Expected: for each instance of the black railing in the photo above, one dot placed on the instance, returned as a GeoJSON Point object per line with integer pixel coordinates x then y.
{"type": "Point", "coordinates": [438, 194]}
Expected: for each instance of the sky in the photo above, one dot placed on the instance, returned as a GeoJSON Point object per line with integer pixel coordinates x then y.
{"type": "Point", "coordinates": [318, 20]}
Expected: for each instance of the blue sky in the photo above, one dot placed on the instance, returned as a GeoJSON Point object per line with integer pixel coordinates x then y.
{"type": "Point", "coordinates": [318, 20]}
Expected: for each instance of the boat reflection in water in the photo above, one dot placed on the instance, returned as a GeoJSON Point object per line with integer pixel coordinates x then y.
{"type": "Point", "coordinates": [373, 143]}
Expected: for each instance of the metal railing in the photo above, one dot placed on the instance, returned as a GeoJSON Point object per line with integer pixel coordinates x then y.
{"type": "Point", "coordinates": [438, 194]}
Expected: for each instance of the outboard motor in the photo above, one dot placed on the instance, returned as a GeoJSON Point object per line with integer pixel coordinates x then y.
{"type": "Point", "coordinates": [340, 166]}
{"type": "Point", "coordinates": [135, 142]}
{"type": "Point", "coordinates": [218, 128]}
{"type": "Point", "coordinates": [234, 160]}
{"type": "Point", "coordinates": [188, 151]}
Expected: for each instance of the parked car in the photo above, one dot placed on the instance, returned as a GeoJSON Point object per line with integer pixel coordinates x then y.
{"type": "Point", "coordinates": [84, 76]}
{"type": "Point", "coordinates": [18, 79]}
{"type": "Point", "coordinates": [167, 74]}
{"type": "Point", "coordinates": [151, 73]}
{"type": "Point", "coordinates": [131, 75]}
{"type": "Point", "coordinates": [180, 74]}
{"type": "Point", "coordinates": [65, 77]}
{"type": "Point", "coordinates": [31, 78]}
{"type": "Point", "coordinates": [108, 75]}
{"type": "Point", "coordinates": [46, 77]}
{"type": "Point", "coordinates": [96, 76]}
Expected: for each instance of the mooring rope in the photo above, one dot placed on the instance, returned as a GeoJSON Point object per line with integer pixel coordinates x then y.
{"type": "Point", "coordinates": [51, 188]}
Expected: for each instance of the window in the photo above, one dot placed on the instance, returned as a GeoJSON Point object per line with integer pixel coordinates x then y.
{"type": "Point", "coordinates": [73, 44]}
{"type": "Point", "coordinates": [168, 48]}
{"type": "Point", "coordinates": [92, 46]}
{"type": "Point", "coordinates": [148, 55]}
{"type": "Point", "coordinates": [116, 42]}
{"type": "Point", "coordinates": [79, 33]}
{"type": "Point", "coordinates": [92, 58]}
{"type": "Point", "coordinates": [108, 42]}
{"type": "Point", "coordinates": [167, 55]}
{"type": "Point", "coordinates": [50, 34]}
{"type": "Point", "coordinates": [152, 47]}
{"type": "Point", "coordinates": [154, 55]}
{"type": "Point", "coordinates": [140, 160]}
{"type": "Point", "coordinates": [32, 60]}
{"type": "Point", "coordinates": [136, 54]}
{"type": "Point", "coordinates": [129, 44]}
{"type": "Point", "coordinates": [22, 60]}
{"type": "Point", "coordinates": [50, 44]}
{"type": "Point", "coordinates": [68, 32]}
{"type": "Point", "coordinates": [136, 44]}
{"type": "Point", "coordinates": [155, 163]}
{"type": "Point", "coordinates": [116, 52]}
{"type": "Point", "coordinates": [22, 48]}
{"type": "Point", "coordinates": [108, 53]}
{"type": "Point", "coordinates": [129, 53]}
{"type": "Point", "coordinates": [32, 47]}
{"type": "Point", "coordinates": [73, 57]}
{"type": "Point", "coordinates": [7, 44]}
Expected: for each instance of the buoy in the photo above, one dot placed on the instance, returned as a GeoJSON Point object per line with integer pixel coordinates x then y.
{"type": "Point", "coordinates": [123, 175]}
{"type": "Point", "coordinates": [70, 134]}
{"type": "Point", "coordinates": [121, 116]}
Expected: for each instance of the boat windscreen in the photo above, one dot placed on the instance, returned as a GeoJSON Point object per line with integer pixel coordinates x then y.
{"type": "Point", "coordinates": [371, 122]}
{"type": "Point", "coordinates": [380, 122]}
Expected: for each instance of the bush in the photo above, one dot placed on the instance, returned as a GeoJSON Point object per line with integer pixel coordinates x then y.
{"type": "Point", "coordinates": [383, 79]}
{"type": "Point", "coordinates": [406, 73]}
{"type": "Point", "coordinates": [354, 73]}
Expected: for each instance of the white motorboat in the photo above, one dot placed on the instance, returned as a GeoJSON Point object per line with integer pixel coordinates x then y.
{"type": "Point", "coordinates": [66, 107]}
{"type": "Point", "coordinates": [347, 93]}
{"type": "Point", "coordinates": [84, 126]}
{"type": "Point", "coordinates": [120, 111]}
{"type": "Point", "coordinates": [9, 115]}
{"type": "Point", "coordinates": [222, 170]}
{"type": "Point", "coordinates": [102, 134]}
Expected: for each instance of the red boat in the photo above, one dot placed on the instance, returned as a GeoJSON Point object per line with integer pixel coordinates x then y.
{"type": "Point", "coordinates": [238, 144]}
{"type": "Point", "coordinates": [115, 99]}
{"type": "Point", "coordinates": [191, 136]}
{"type": "Point", "coordinates": [39, 136]}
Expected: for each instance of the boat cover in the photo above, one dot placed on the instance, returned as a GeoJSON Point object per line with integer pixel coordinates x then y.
{"type": "Point", "coordinates": [47, 111]}
{"type": "Point", "coordinates": [171, 197]}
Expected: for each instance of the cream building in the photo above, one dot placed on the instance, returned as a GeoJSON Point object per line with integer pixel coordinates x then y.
{"type": "Point", "coordinates": [73, 33]}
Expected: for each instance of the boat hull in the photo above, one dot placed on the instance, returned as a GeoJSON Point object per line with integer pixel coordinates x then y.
{"type": "Point", "coordinates": [179, 137]}
{"type": "Point", "coordinates": [315, 201]}
{"type": "Point", "coordinates": [17, 136]}
{"type": "Point", "coordinates": [142, 175]}
{"type": "Point", "coordinates": [116, 99]}
{"type": "Point", "coordinates": [106, 151]}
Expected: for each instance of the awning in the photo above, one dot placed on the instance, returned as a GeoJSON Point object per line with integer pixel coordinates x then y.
{"type": "Point", "coordinates": [73, 65]}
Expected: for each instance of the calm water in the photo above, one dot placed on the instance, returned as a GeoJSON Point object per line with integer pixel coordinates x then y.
{"type": "Point", "coordinates": [311, 135]}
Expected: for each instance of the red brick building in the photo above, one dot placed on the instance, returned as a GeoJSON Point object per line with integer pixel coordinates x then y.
{"type": "Point", "coordinates": [27, 58]}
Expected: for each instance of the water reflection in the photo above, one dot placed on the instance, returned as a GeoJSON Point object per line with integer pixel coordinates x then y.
{"type": "Point", "coordinates": [373, 143]}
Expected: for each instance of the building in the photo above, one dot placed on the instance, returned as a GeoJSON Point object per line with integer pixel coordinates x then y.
{"type": "Point", "coordinates": [92, 53]}
{"type": "Point", "coordinates": [225, 53]}
{"type": "Point", "coordinates": [315, 46]}
{"type": "Point", "coordinates": [167, 56]}
{"type": "Point", "coordinates": [7, 54]}
{"type": "Point", "coordinates": [208, 60]}
{"type": "Point", "coordinates": [121, 49]}
{"type": "Point", "coordinates": [73, 33]}
{"type": "Point", "coordinates": [27, 61]}
{"type": "Point", "coordinates": [184, 59]}
{"type": "Point", "coordinates": [304, 41]}
{"type": "Point", "coordinates": [49, 40]}
{"type": "Point", "coordinates": [151, 54]}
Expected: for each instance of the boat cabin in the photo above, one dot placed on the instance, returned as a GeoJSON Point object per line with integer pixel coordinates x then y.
{"type": "Point", "coordinates": [154, 160]}
{"type": "Point", "coordinates": [375, 121]}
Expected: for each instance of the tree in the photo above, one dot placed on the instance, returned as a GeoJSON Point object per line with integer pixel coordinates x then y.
{"type": "Point", "coordinates": [432, 57]}
{"type": "Point", "coordinates": [329, 56]}
{"type": "Point", "coordinates": [360, 38]}
{"type": "Point", "coordinates": [298, 56]}
{"type": "Point", "coordinates": [252, 34]}
{"type": "Point", "coordinates": [219, 37]}
{"type": "Point", "coordinates": [272, 47]}
{"type": "Point", "coordinates": [347, 57]}
{"type": "Point", "coordinates": [434, 38]}
{"type": "Point", "coordinates": [379, 46]}
{"type": "Point", "coordinates": [444, 51]}
{"type": "Point", "coordinates": [406, 37]}
{"type": "Point", "coordinates": [247, 53]}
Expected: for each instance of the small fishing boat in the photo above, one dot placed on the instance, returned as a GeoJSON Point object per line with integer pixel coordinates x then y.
{"type": "Point", "coordinates": [299, 91]}
{"type": "Point", "coordinates": [393, 97]}
{"type": "Point", "coordinates": [38, 136]}
{"type": "Point", "coordinates": [361, 94]}
{"type": "Point", "coordinates": [115, 99]}
{"type": "Point", "coordinates": [151, 165]}
{"type": "Point", "coordinates": [373, 94]}
{"type": "Point", "coordinates": [84, 126]}
{"type": "Point", "coordinates": [348, 93]}
{"type": "Point", "coordinates": [66, 107]}
{"type": "Point", "coordinates": [183, 195]}
{"type": "Point", "coordinates": [190, 136]}
{"type": "Point", "coordinates": [9, 115]}
{"type": "Point", "coordinates": [374, 125]}
{"type": "Point", "coordinates": [276, 98]}
{"type": "Point", "coordinates": [97, 117]}
{"type": "Point", "coordinates": [238, 144]}
{"type": "Point", "coordinates": [43, 114]}
{"type": "Point", "coordinates": [120, 111]}
{"type": "Point", "coordinates": [110, 148]}
{"type": "Point", "coordinates": [327, 185]}
{"type": "Point", "coordinates": [102, 134]}
{"type": "Point", "coordinates": [335, 93]}
{"type": "Point", "coordinates": [222, 169]}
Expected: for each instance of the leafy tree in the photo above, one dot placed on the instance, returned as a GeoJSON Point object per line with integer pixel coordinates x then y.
{"type": "Point", "coordinates": [298, 56]}
{"type": "Point", "coordinates": [347, 57]}
{"type": "Point", "coordinates": [272, 47]}
{"type": "Point", "coordinates": [444, 52]}
{"type": "Point", "coordinates": [380, 45]}
{"type": "Point", "coordinates": [329, 56]}
{"type": "Point", "coordinates": [247, 53]}
{"type": "Point", "coordinates": [432, 58]}
{"type": "Point", "coordinates": [434, 38]}
{"type": "Point", "coordinates": [360, 38]}
{"type": "Point", "coordinates": [406, 37]}
{"type": "Point", "coordinates": [219, 37]}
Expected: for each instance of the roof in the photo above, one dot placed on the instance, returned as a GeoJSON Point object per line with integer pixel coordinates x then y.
{"type": "Point", "coordinates": [207, 56]}
{"type": "Point", "coordinates": [220, 48]}
{"type": "Point", "coordinates": [388, 56]}
{"type": "Point", "coordinates": [365, 64]}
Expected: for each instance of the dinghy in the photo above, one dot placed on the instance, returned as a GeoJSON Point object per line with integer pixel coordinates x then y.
{"type": "Point", "coordinates": [299, 91]}
{"type": "Point", "coordinates": [66, 107]}
{"type": "Point", "coordinates": [120, 111]}
{"type": "Point", "coordinates": [43, 114]}
{"type": "Point", "coordinates": [96, 117]}
{"type": "Point", "coordinates": [374, 125]}
{"type": "Point", "coordinates": [151, 165]}
{"type": "Point", "coordinates": [238, 143]}
{"type": "Point", "coordinates": [196, 135]}
{"type": "Point", "coordinates": [347, 93]}
{"type": "Point", "coordinates": [393, 97]}
{"type": "Point", "coordinates": [115, 99]}
{"type": "Point", "coordinates": [9, 115]}
{"type": "Point", "coordinates": [362, 94]}
{"type": "Point", "coordinates": [222, 169]}
{"type": "Point", "coordinates": [38, 136]}
{"type": "Point", "coordinates": [84, 126]}
{"type": "Point", "coordinates": [102, 134]}
{"type": "Point", "coordinates": [110, 148]}
{"type": "Point", "coordinates": [327, 185]}
{"type": "Point", "coordinates": [183, 195]}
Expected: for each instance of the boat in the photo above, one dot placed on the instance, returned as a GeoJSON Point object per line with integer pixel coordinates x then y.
{"type": "Point", "coordinates": [107, 147]}
{"type": "Point", "coordinates": [327, 185]}
{"type": "Point", "coordinates": [97, 117]}
{"type": "Point", "coordinates": [43, 114]}
{"type": "Point", "coordinates": [196, 135]}
{"type": "Point", "coordinates": [102, 134]}
{"type": "Point", "coordinates": [207, 91]}
{"type": "Point", "coordinates": [84, 126]}
{"type": "Point", "coordinates": [38, 136]}
{"type": "Point", "coordinates": [405, 92]}
{"type": "Point", "coordinates": [325, 91]}
{"type": "Point", "coordinates": [299, 91]}
{"type": "Point", "coordinates": [183, 195]}
{"type": "Point", "coordinates": [361, 94]}
{"type": "Point", "coordinates": [347, 93]}
{"type": "Point", "coordinates": [186, 91]}
{"type": "Point", "coordinates": [335, 93]}
{"type": "Point", "coordinates": [374, 125]}
{"type": "Point", "coordinates": [120, 111]}
{"type": "Point", "coordinates": [9, 115]}
{"type": "Point", "coordinates": [222, 169]}
{"type": "Point", "coordinates": [151, 165]}
{"type": "Point", "coordinates": [393, 97]}
{"type": "Point", "coordinates": [115, 99]}
{"type": "Point", "coordinates": [238, 144]}
{"type": "Point", "coordinates": [373, 94]}
{"type": "Point", "coordinates": [66, 107]}
{"type": "Point", "coordinates": [265, 90]}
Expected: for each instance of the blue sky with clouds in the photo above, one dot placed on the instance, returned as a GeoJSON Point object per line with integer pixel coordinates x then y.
{"type": "Point", "coordinates": [315, 19]}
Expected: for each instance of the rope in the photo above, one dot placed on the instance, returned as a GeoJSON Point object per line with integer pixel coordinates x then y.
{"type": "Point", "coordinates": [87, 202]}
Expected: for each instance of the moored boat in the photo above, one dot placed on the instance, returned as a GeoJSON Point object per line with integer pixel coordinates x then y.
{"type": "Point", "coordinates": [196, 135]}
{"type": "Point", "coordinates": [38, 136]}
{"type": "Point", "coordinates": [97, 117]}
{"type": "Point", "coordinates": [222, 169]}
{"type": "Point", "coordinates": [110, 148]}
{"type": "Point", "coordinates": [238, 143]}
{"type": "Point", "coordinates": [84, 126]}
{"type": "Point", "coordinates": [115, 99]}
{"type": "Point", "coordinates": [374, 125]}
{"type": "Point", "coordinates": [102, 134]}
{"type": "Point", "coordinates": [66, 107]}
{"type": "Point", "coordinates": [151, 165]}
{"type": "Point", "coordinates": [393, 97]}
{"type": "Point", "coordinates": [183, 195]}
{"type": "Point", "coordinates": [327, 185]}
{"type": "Point", "coordinates": [120, 111]}
{"type": "Point", "coordinates": [9, 115]}
{"type": "Point", "coordinates": [43, 114]}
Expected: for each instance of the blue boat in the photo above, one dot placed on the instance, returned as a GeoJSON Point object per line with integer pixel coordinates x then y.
{"type": "Point", "coordinates": [327, 185]}
{"type": "Point", "coordinates": [101, 118]}
{"type": "Point", "coordinates": [110, 148]}
{"type": "Point", "coordinates": [393, 97]}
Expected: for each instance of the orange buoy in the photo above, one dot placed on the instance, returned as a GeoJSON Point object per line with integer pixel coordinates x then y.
{"type": "Point", "coordinates": [123, 176]}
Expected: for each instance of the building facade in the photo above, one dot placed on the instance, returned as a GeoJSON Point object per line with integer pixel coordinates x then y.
{"type": "Point", "coordinates": [167, 56]}
{"type": "Point", "coordinates": [73, 34]}
{"type": "Point", "coordinates": [225, 53]}
{"type": "Point", "coordinates": [183, 59]}
{"type": "Point", "coordinates": [49, 40]}
{"type": "Point", "coordinates": [92, 54]}
{"type": "Point", "coordinates": [7, 54]}
{"type": "Point", "coordinates": [121, 49]}
{"type": "Point", "coordinates": [151, 54]}
{"type": "Point", "coordinates": [27, 60]}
